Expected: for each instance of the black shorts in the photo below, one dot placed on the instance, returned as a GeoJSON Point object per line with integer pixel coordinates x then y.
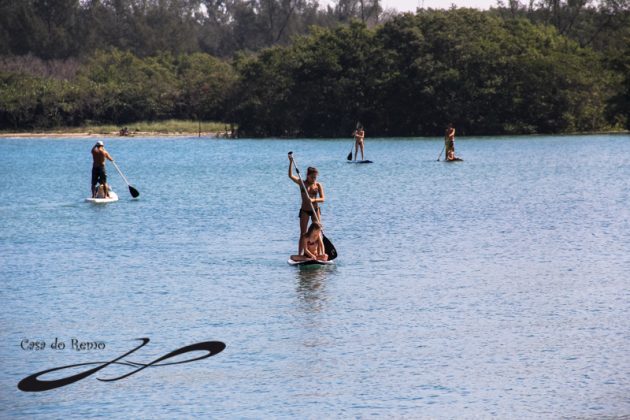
{"type": "Point", "coordinates": [99, 175]}
{"type": "Point", "coordinates": [307, 212]}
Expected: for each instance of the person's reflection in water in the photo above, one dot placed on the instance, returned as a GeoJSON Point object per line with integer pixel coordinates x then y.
{"type": "Point", "coordinates": [311, 287]}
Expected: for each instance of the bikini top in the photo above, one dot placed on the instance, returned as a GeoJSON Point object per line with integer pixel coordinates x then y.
{"type": "Point", "coordinates": [312, 192]}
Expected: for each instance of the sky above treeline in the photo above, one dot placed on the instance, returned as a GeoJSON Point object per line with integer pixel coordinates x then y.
{"type": "Point", "coordinates": [411, 5]}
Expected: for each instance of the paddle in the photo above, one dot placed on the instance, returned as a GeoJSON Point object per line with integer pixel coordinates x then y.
{"type": "Point", "coordinates": [134, 193]}
{"type": "Point", "coordinates": [328, 246]}
{"type": "Point", "coordinates": [443, 147]}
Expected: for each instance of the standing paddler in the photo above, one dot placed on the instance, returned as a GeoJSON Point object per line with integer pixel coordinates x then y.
{"type": "Point", "coordinates": [311, 198]}
{"type": "Point", "coordinates": [359, 139]}
{"type": "Point", "coordinates": [99, 175]}
{"type": "Point", "coordinates": [449, 142]}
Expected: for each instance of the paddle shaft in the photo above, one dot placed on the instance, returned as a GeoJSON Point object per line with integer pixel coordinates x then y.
{"type": "Point", "coordinates": [349, 157]}
{"type": "Point", "coordinates": [121, 174]}
{"type": "Point", "coordinates": [134, 193]}
{"type": "Point", "coordinates": [354, 148]}
{"type": "Point", "coordinates": [443, 147]}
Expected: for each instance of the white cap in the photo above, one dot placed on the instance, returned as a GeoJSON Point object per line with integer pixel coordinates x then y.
{"type": "Point", "coordinates": [99, 143]}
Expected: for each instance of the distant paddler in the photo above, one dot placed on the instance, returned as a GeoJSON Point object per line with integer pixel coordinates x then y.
{"type": "Point", "coordinates": [99, 174]}
{"type": "Point", "coordinates": [449, 143]}
{"type": "Point", "coordinates": [359, 138]}
{"type": "Point", "coordinates": [311, 198]}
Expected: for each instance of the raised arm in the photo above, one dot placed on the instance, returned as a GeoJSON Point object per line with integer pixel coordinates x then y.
{"type": "Point", "coordinates": [293, 177]}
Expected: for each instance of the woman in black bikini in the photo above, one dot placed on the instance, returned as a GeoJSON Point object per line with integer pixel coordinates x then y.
{"type": "Point", "coordinates": [310, 199]}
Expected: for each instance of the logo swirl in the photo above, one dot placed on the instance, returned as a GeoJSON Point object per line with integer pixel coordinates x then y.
{"type": "Point", "coordinates": [32, 383]}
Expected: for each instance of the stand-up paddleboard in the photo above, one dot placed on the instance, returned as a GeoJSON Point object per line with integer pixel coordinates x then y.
{"type": "Point", "coordinates": [100, 196]}
{"type": "Point", "coordinates": [112, 197]}
{"type": "Point", "coordinates": [360, 161]}
{"type": "Point", "coordinates": [309, 262]}
{"type": "Point", "coordinates": [455, 160]}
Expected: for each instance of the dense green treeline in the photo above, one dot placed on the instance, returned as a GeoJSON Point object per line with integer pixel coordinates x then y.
{"type": "Point", "coordinates": [415, 73]}
{"type": "Point", "coordinates": [507, 70]}
{"type": "Point", "coordinates": [118, 87]}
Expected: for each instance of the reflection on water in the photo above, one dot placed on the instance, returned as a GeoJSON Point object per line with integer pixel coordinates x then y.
{"type": "Point", "coordinates": [311, 286]}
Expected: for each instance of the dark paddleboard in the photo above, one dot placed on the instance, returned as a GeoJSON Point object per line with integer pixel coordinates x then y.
{"type": "Point", "coordinates": [455, 160]}
{"type": "Point", "coordinates": [360, 161]}
{"type": "Point", "coordinates": [309, 262]}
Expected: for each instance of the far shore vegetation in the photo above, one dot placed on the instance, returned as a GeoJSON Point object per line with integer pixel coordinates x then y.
{"type": "Point", "coordinates": [166, 127]}
{"type": "Point", "coordinates": [190, 128]}
{"type": "Point", "coordinates": [294, 69]}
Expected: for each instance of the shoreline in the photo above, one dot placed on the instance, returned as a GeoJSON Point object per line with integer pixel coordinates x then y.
{"type": "Point", "coordinates": [111, 135]}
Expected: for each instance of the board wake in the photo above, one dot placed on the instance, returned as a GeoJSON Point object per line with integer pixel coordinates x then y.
{"type": "Point", "coordinates": [309, 262]}
{"type": "Point", "coordinates": [112, 198]}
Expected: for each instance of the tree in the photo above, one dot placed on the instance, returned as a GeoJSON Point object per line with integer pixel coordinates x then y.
{"type": "Point", "coordinates": [125, 88]}
{"type": "Point", "coordinates": [206, 84]}
{"type": "Point", "coordinates": [618, 111]}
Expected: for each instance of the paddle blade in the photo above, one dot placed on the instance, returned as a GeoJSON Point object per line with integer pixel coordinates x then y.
{"type": "Point", "coordinates": [349, 157]}
{"type": "Point", "coordinates": [329, 248]}
{"type": "Point", "coordinates": [134, 193]}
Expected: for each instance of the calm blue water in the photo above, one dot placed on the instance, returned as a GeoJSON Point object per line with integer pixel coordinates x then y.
{"type": "Point", "coordinates": [494, 287]}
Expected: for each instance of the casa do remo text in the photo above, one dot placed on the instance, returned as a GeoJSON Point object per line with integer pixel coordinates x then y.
{"type": "Point", "coordinates": [56, 344]}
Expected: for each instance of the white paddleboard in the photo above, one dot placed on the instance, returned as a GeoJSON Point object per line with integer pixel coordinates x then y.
{"type": "Point", "coordinates": [309, 262]}
{"type": "Point", "coordinates": [112, 197]}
